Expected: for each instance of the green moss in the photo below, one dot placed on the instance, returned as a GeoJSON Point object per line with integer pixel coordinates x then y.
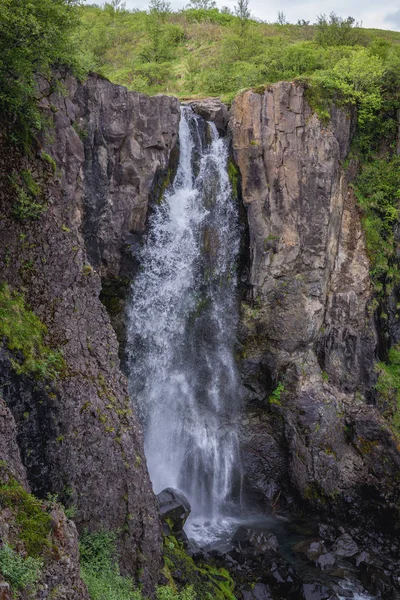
{"type": "Point", "coordinates": [206, 580]}
{"type": "Point", "coordinates": [234, 177]}
{"type": "Point", "coordinates": [49, 160]}
{"type": "Point", "coordinates": [25, 335]}
{"type": "Point", "coordinates": [87, 270]}
{"type": "Point", "coordinates": [30, 514]}
{"type": "Point", "coordinates": [275, 397]}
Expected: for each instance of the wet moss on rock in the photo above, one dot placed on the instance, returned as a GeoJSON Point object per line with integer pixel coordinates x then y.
{"type": "Point", "coordinates": [207, 581]}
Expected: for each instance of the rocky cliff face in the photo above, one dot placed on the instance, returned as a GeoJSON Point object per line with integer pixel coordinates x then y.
{"type": "Point", "coordinates": [307, 323]}
{"type": "Point", "coordinates": [60, 575]}
{"type": "Point", "coordinates": [78, 436]}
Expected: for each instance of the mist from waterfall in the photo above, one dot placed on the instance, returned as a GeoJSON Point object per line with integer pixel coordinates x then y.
{"type": "Point", "coordinates": [182, 322]}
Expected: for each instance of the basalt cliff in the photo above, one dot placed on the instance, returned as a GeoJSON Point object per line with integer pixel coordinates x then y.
{"type": "Point", "coordinates": [308, 337]}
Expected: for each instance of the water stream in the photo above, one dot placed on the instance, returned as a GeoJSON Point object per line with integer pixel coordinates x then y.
{"type": "Point", "coordinates": [182, 321]}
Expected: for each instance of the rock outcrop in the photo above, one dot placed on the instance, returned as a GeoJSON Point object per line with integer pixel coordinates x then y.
{"type": "Point", "coordinates": [307, 325]}
{"type": "Point", "coordinates": [79, 436]}
{"type": "Point", "coordinates": [59, 576]}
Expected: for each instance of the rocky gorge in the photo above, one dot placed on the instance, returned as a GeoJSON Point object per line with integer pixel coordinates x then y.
{"type": "Point", "coordinates": [313, 441]}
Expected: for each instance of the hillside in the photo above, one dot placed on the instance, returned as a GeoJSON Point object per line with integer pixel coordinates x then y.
{"type": "Point", "coordinates": [207, 52]}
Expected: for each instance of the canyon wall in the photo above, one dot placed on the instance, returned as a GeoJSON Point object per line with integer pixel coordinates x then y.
{"type": "Point", "coordinates": [79, 436]}
{"type": "Point", "coordinates": [308, 337]}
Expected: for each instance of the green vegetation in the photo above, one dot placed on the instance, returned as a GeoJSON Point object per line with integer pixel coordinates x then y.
{"type": "Point", "coordinates": [34, 37]}
{"type": "Point", "coordinates": [201, 51]}
{"type": "Point", "coordinates": [100, 571]}
{"type": "Point", "coordinates": [30, 514]}
{"type": "Point", "coordinates": [388, 387]}
{"type": "Point", "coordinates": [20, 572]}
{"type": "Point", "coordinates": [206, 582]}
{"type": "Point", "coordinates": [275, 397]}
{"type": "Point", "coordinates": [378, 193]}
{"type": "Point", "coordinates": [27, 192]}
{"type": "Point", "coordinates": [25, 333]}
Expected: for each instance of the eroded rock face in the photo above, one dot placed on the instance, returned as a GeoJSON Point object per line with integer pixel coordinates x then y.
{"type": "Point", "coordinates": [79, 436]}
{"type": "Point", "coordinates": [307, 320]}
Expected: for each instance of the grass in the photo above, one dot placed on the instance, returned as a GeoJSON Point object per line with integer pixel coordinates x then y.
{"type": "Point", "coordinates": [195, 53]}
{"type": "Point", "coordinates": [30, 514]}
{"type": "Point", "coordinates": [25, 337]}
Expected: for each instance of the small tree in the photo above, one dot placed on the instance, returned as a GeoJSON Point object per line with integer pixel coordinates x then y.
{"type": "Point", "coordinates": [159, 7]}
{"type": "Point", "coordinates": [243, 13]}
{"type": "Point", "coordinates": [281, 20]}
{"type": "Point", "coordinates": [336, 31]}
{"type": "Point", "coordinates": [202, 4]}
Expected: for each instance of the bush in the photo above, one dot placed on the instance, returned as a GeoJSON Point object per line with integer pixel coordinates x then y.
{"type": "Point", "coordinates": [34, 36]}
{"type": "Point", "coordinates": [21, 573]}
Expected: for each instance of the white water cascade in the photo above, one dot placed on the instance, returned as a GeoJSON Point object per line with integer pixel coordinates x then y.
{"type": "Point", "coordinates": [182, 321]}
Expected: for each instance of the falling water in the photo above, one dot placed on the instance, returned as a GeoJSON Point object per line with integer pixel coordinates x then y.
{"type": "Point", "coordinates": [182, 322]}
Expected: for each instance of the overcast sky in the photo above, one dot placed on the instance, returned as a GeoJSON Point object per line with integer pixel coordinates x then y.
{"type": "Point", "coordinates": [382, 15]}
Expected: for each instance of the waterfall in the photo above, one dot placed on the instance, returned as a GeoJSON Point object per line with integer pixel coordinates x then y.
{"type": "Point", "coordinates": [182, 320]}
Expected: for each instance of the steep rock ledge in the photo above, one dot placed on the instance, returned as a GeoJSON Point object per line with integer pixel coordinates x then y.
{"type": "Point", "coordinates": [307, 323]}
{"type": "Point", "coordinates": [79, 436]}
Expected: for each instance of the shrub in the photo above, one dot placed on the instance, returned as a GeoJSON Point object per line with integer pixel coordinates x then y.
{"type": "Point", "coordinates": [21, 573]}
{"type": "Point", "coordinates": [34, 36]}
{"type": "Point", "coordinates": [99, 568]}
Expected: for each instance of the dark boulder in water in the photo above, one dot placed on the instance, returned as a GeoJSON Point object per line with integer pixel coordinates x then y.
{"type": "Point", "coordinates": [174, 510]}
{"type": "Point", "coordinates": [252, 542]}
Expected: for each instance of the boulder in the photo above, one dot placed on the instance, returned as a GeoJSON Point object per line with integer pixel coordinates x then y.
{"type": "Point", "coordinates": [345, 546]}
{"type": "Point", "coordinates": [251, 542]}
{"type": "Point", "coordinates": [317, 591]}
{"type": "Point", "coordinates": [174, 510]}
{"type": "Point", "coordinates": [212, 109]}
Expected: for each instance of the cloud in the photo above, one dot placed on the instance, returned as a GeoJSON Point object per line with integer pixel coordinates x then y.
{"type": "Point", "coordinates": [394, 18]}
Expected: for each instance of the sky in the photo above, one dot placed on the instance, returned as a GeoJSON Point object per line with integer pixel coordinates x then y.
{"type": "Point", "coordinates": [382, 15]}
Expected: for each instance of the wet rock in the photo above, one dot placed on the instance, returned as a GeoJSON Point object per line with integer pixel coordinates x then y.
{"type": "Point", "coordinates": [259, 592]}
{"type": "Point", "coordinates": [317, 591]}
{"type": "Point", "coordinates": [174, 510]}
{"type": "Point", "coordinates": [325, 561]}
{"type": "Point", "coordinates": [345, 546]}
{"type": "Point", "coordinates": [212, 109]}
{"type": "Point", "coordinates": [251, 542]}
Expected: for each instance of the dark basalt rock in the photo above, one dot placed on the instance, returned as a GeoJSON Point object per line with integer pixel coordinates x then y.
{"type": "Point", "coordinates": [250, 542]}
{"type": "Point", "coordinates": [174, 509]}
{"type": "Point", "coordinates": [345, 546]}
{"type": "Point", "coordinates": [306, 318]}
{"type": "Point", "coordinates": [317, 591]}
{"type": "Point", "coordinates": [82, 439]}
{"type": "Point", "coordinates": [212, 109]}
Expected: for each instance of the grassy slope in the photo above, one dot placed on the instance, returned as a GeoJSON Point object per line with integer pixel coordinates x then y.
{"type": "Point", "coordinates": [198, 53]}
